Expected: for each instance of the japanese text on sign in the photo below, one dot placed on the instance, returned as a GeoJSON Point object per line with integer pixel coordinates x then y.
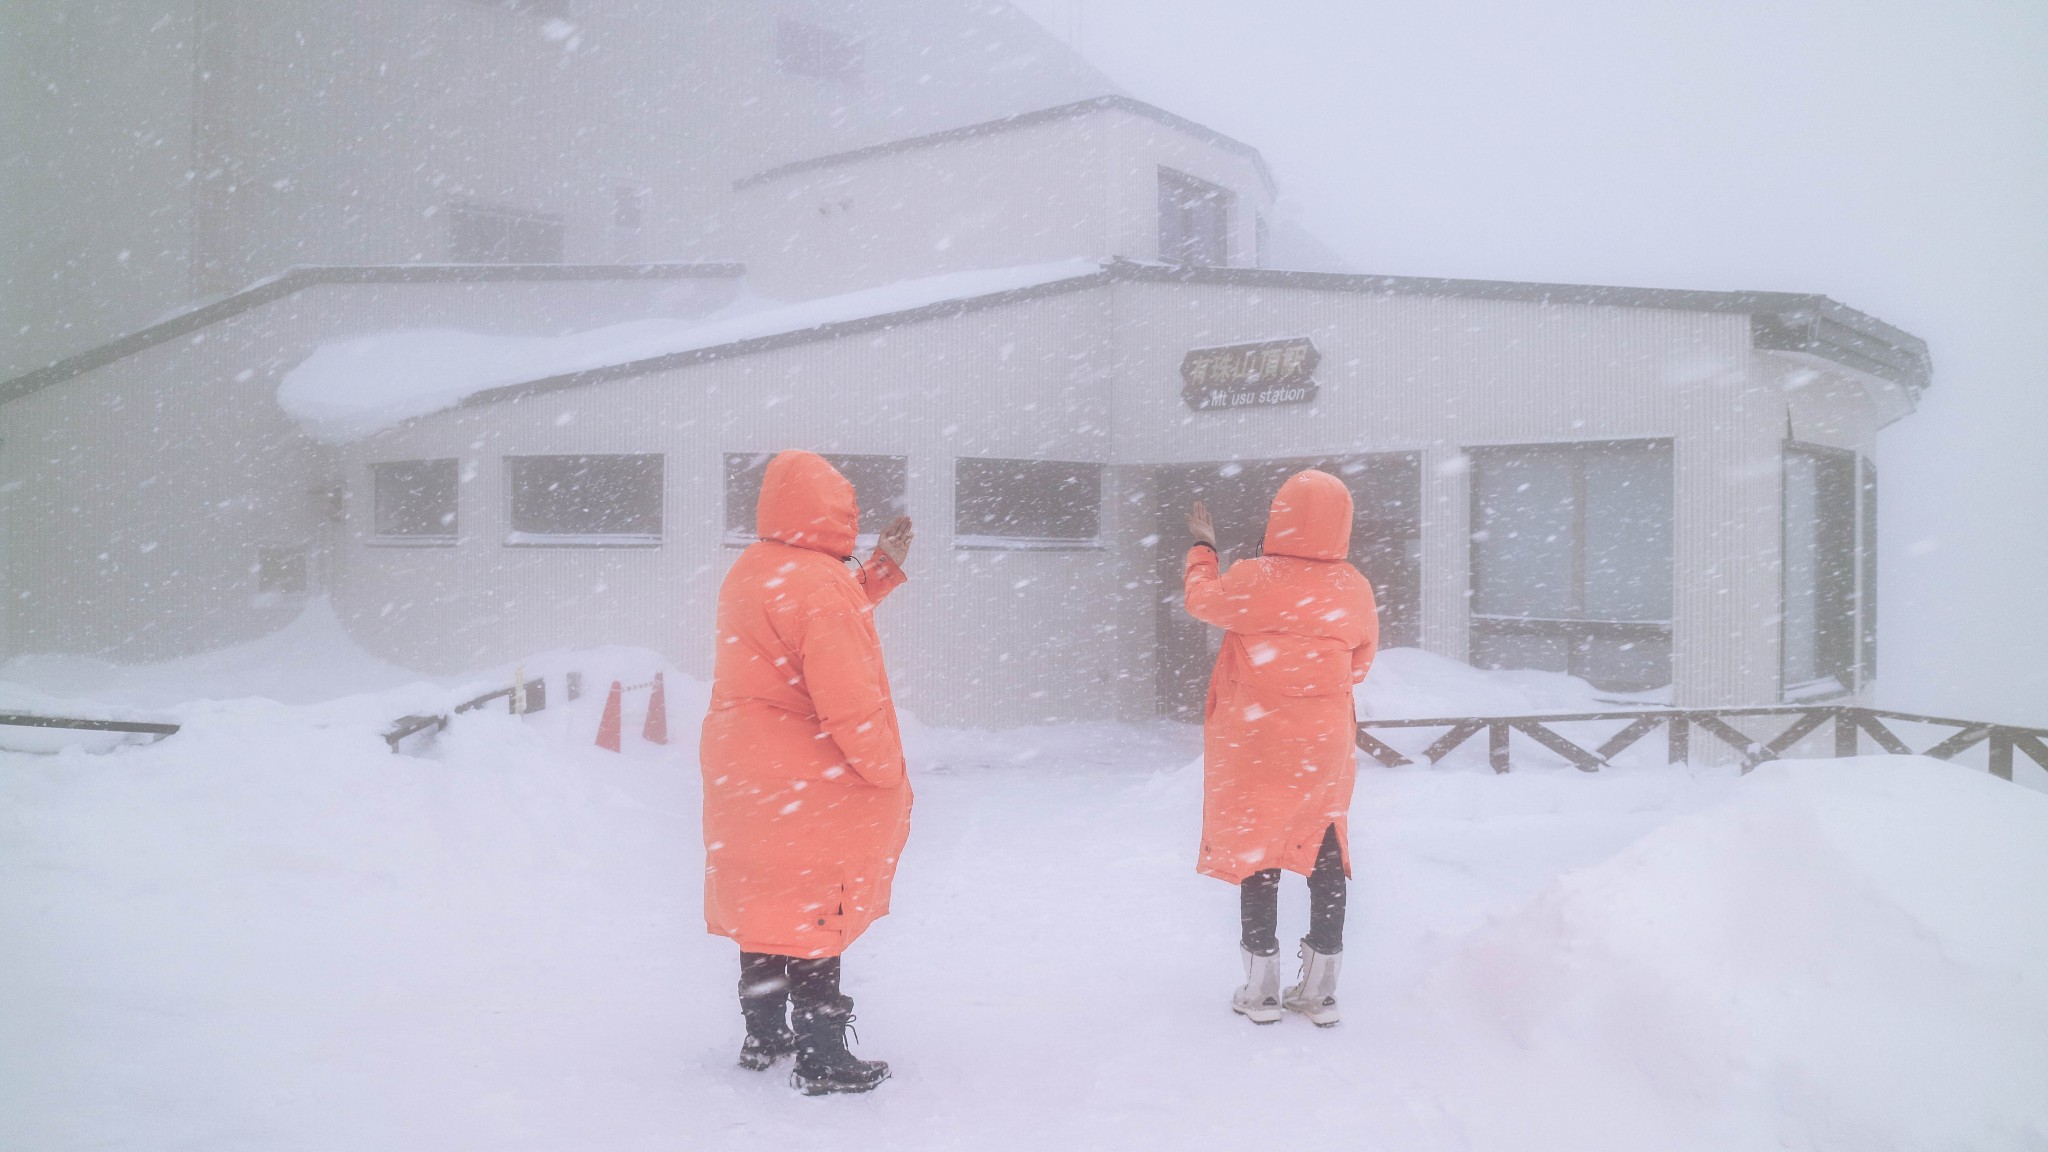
{"type": "Point", "coordinates": [1250, 375]}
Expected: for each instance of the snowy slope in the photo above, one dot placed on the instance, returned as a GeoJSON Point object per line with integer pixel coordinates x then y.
{"type": "Point", "coordinates": [267, 932]}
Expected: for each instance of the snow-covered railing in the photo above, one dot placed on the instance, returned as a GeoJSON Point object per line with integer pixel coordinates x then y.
{"type": "Point", "coordinates": [521, 697]}
{"type": "Point", "coordinates": [78, 724]}
{"type": "Point", "coordinates": [1850, 726]}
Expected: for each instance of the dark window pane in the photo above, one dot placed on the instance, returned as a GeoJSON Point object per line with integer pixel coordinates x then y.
{"type": "Point", "coordinates": [530, 7]}
{"type": "Point", "coordinates": [629, 208]}
{"type": "Point", "coordinates": [1868, 603]}
{"type": "Point", "coordinates": [616, 498]}
{"type": "Point", "coordinates": [809, 50]}
{"type": "Point", "coordinates": [1802, 521]}
{"type": "Point", "coordinates": [1386, 537]}
{"type": "Point", "coordinates": [1628, 532]}
{"type": "Point", "coordinates": [1522, 533]}
{"type": "Point", "coordinates": [1623, 660]}
{"type": "Point", "coordinates": [414, 498]}
{"type": "Point", "coordinates": [1194, 221]}
{"type": "Point", "coordinates": [1819, 569]}
{"type": "Point", "coordinates": [481, 234]}
{"type": "Point", "coordinates": [1571, 560]}
{"type": "Point", "coordinates": [880, 483]}
{"type": "Point", "coordinates": [1543, 651]}
{"type": "Point", "coordinates": [1006, 503]}
{"type": "Point", "coordinates": [281, 570]}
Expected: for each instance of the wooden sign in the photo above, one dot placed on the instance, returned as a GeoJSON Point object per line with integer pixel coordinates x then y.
{"type": "Point", "coordinates": [1250, 375]}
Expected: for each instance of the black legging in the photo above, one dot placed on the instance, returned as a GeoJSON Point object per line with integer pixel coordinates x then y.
{"type": "Point", "coordinates": [765, 979]}
{"type": "Point", "coordinates": [1259, 904]}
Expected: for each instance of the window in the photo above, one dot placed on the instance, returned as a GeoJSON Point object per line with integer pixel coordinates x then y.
{"type": "Point", "coordinates": [1571, 561]}
{"type": "Point", "coordinates": [1820, 570]}
{"type": "Point", "coordinates": [585, 501]}
{"type": "Point", "coordinates": [810, 50]}
{"type": "Point", "coordinates": [481, 234]}
{"type": "Point", "coordinates": [881, 484]}
{"type": "Point", "coordinates": [629, 211]}
{"type": "Point", "coordinates": [280, 570]}
{"type": "Point", "coordinates": [1386, 545]}
{"type": "Point", "coordinates": [413, 501]}
{"type": "Point", "coordinates": [555, 8]}
{"type": "Point", "coordinates": [1194, 221]}
{"type": "Point", "coordinates": [1026, 504]}
{"type": "Point", "coordinates": [1867, 592]}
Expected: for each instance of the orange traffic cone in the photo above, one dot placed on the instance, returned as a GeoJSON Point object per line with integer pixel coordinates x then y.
{"type": "Point", "coordinates": [608, 728]}
{"type": "Point", "coordinates": [656, 729]}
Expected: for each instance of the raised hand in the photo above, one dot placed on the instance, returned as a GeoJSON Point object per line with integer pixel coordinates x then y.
{"type": "Point", "coordinates": [1200, 526]}
{"type": "Point", "coordinates": [895, 541]}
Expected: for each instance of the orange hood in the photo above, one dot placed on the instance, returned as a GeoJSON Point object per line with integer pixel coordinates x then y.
{"type": "Point", "coordinates": [806, 502]}
{"type": "Point", "coordinates": [1311, 518]}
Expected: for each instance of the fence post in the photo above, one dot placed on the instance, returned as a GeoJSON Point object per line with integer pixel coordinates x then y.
{"type": "Point", "coordinates": [2001, 753]}
{"type": "Point", "coordinates": [1846, 730]}
{"type": "Point", "coordinates": [1497, 744]}
{"type": "Point", "coordinates": [1681, 740]}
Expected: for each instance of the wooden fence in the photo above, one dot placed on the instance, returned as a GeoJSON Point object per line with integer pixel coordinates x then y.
{"type": "Point", "coordinates": [1793, 723]}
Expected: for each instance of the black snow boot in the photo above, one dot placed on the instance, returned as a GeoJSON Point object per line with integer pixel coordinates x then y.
{"type": "Point", "coordinates": [768, 1036]}
{"type": "Point", "coordinates": [764, 1001]}
{"type": "Point", "coordinates": [823, 1065]}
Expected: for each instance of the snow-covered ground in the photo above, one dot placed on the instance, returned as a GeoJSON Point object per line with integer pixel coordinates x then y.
{"type": "Point", "coordinates": [267, 932]}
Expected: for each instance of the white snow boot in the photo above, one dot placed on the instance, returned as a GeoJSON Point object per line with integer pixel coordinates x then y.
{"type": "Point", "coordinates": [1316, 995]}
{"type": "Point", "coordinates": [1259, 999]}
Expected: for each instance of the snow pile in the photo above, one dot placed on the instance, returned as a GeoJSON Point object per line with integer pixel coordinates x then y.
{"type": "Point", "coordinates": [1408, 682]}
{"type": "Point", "coordinates": [1846, 954]}
{"type": "Point", "coordinates": [348, 389]}
{"type": "Point", "coordinates": [309, 660]}
{"type": "Point", "coordinates": [270, 932]}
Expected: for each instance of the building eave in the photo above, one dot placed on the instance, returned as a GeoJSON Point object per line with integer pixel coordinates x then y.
{"type": "Point", "coordinates": [1012, 123]}
{"type": "Point", "coordinates": [1767, 310]}
{"type": "Point", "coordinates": [296, 279]}
{"type": "Point", "coordinates": [1779, 321]}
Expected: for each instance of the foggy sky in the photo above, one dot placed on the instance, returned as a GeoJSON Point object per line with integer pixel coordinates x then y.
{"type": "Point", "coordinates": [1891, 156]}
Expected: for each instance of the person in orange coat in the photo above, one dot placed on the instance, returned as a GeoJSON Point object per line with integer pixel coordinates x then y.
{"type": "Point", "coordinates": [1277, 731]}
{"type": "Point", "coordinates": [806, 803]}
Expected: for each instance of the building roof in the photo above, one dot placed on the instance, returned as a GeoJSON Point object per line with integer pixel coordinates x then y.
{"type": "Point", "coordinates": [1779, 321]}
{"type": "Point", "coordinates": [188, 320]}
{"type": "Point", "coordinates": [1021, 120]}
{"type": "Point", "coordinates": [358, 385]}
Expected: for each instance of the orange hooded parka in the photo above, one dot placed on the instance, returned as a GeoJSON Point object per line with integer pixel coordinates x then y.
{"type": "Point", "coordinates": [1277, 732]}
{"type": "Point", "coordinates": [806, 804]}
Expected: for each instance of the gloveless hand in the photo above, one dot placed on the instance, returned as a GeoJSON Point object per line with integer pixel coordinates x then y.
{"type": "Point", "coordinates": [1200, 526]}
{"type": "Point", "coordinates": [895, 541]}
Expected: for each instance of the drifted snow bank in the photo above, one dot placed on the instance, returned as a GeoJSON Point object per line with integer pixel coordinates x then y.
{"type": "Point", "coordinates": [1408, 682]}
{"type": "Point", "coordinates": [1844, 954]}
{"type": "Point", "coordinates": [270, 933]}
{"type": "Point", "coordinates": [312, 659]}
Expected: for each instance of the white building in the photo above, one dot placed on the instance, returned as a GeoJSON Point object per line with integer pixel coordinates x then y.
{"type": "Point", "coordinates": [1041, 334]}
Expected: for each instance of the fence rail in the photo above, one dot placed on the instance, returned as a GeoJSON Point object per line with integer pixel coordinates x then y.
{"type": "Point", "coordinates": [76, 724]}
{"type": "Point", "coordinates": [1851, 725]}
{"type": "Point", "coordinates": [525, 696]}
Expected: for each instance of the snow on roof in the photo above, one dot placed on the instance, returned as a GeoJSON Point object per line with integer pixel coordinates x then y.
{"type": "Point", "coordinates": [352, 388]}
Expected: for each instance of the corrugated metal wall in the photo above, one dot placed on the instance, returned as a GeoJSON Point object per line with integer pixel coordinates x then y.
{"type": "Point", "coordinates": [140, 491]}
{"type": "Point", "coordinates": [180, 437]}
{"type": "Point", "coordinates": [1441, 374]}
{"type": "Point", "coordinates": [976, 637]}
